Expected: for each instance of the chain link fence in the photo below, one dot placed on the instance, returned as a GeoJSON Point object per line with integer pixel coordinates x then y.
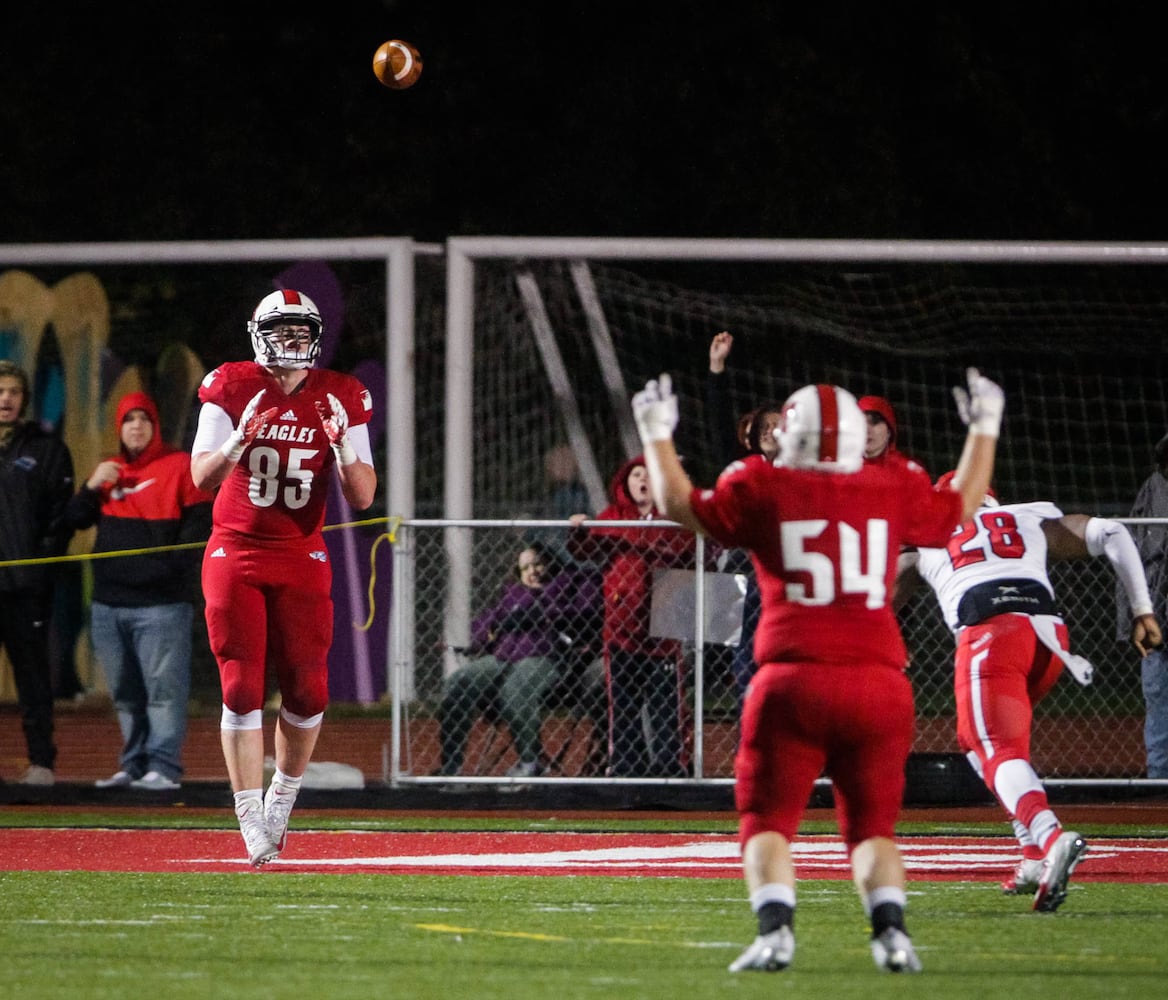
{"type": "Point", "coordinates": [517, 685]}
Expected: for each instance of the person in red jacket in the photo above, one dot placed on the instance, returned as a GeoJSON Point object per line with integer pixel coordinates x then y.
{"type": "Point", "coordinates": [143, 605]}
{"type": "Point", "coordinates": [880, 445]}
{"type": "Point", "coordinates": [643, 672]}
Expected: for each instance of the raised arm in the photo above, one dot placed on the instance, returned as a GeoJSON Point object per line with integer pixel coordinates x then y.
{"type": "Point", "coordinates": [980, 407]}
{"type": "Point", "coordinates": [655, 410]}
{"type": "Point", "coordinates": [1077, 536]}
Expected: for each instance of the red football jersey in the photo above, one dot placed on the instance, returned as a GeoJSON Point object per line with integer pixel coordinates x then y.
{"type": "Point", "coordinates": [278, 490]}
{"type": "Point", "coordinates": [824, 547]}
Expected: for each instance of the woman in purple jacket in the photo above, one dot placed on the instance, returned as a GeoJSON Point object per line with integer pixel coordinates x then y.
{"type": "Point", "coordinates": [518, 644]}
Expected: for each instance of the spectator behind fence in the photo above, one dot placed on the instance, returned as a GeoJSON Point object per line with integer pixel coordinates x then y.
{"type": "Point", "coordinates": [1152, 541]}
{"type": "Point", "coordinates": [880, 445]}
{"type": "Point", "coordinates": [645, 674]}
{"type": "Point", "coordinates": [521, 645]}
{"type": "Point", "coordinates": [36, 481]}
{"type": "Point", "coordinates": [751, 438]}
{"type": "Point", "coordinates": [142, 608]}
{"type": "Point", "coordinates": [273, 433]}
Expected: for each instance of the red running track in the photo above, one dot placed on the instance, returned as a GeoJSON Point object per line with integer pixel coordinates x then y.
{"type": "Point", "coordinates": [491, 853]}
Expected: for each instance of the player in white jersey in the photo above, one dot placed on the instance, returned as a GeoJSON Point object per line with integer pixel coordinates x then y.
{"type": "Point", "coordinates": [994, 590]}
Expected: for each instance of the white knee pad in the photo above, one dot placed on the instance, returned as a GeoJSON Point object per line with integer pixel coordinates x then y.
{"type": "Point", "coordinates": [1012, 780]}
{"type": "Point", "coordinates": [300, 721]}
{"type": "Point", "coordinates": [249, 720]}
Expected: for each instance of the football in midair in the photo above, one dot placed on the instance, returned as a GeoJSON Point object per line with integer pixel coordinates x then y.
{"type": "Point", "coordinates": [397, 64]}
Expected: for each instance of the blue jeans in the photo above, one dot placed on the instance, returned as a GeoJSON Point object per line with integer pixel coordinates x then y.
{"type": "Point", "coordinates": [146, 656]}
{"type": "Point", "coordinates": [1154, 677]}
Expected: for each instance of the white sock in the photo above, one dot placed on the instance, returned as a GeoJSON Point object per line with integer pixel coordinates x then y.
{"type": "Point", "coordinates": [241, 798]}
{"type": "Point", "coordinates": [287, 782]}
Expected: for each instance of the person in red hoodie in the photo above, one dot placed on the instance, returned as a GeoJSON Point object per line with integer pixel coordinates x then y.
{"type": "Point", "coordinates": [880, 446]}
{"type": "Point", "coordinates": [143, 498]}
{"type": "Point", "coordinates": [643, 672]}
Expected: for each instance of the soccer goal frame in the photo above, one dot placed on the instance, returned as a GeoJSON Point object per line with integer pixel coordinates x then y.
{"type": "Point", "coordinates": [464, 255]}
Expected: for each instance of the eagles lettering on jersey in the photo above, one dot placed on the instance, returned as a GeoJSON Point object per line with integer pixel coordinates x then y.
{"type": "Point", "coordinates": [279, 489]}
{"type": "Point", "coordinates": [289, 432]}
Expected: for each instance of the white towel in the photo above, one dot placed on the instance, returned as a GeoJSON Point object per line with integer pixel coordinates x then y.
{"type": "Point", "coordinates": [1080, 668]}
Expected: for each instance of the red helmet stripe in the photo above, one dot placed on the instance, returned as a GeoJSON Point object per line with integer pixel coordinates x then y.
{"type": "Point", "coordinates": [828, 423]}
{"type": "Point", "coordinates": [291, 297]}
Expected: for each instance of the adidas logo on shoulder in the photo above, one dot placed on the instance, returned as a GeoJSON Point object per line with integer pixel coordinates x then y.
{"type": "Point", "coordinates": [219, 553]}
{"type": "Point", "coordinates": [287, 415]}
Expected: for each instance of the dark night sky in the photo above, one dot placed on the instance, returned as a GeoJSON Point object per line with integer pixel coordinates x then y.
{"type": "Point", "coordinates": [246, 120]}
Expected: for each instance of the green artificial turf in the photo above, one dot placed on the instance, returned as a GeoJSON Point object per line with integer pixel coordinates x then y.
{"type": "Point", "coordinates": [258, 935]}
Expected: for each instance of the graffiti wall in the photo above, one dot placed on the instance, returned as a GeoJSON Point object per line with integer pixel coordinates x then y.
{"type": "Point", "coordinates": [60, 333]}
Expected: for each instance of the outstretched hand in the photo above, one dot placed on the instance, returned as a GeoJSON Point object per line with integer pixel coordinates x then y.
{"type": "Point", "coordinates": [251, 424]}
{"type": "Point", "coordinates": [655, 410]}
{"type": "Point", "coordinates": [720, 350]}
{"type": "Point", "coordinates": [335, 421]}
{"type": "Point", "coordinates": [980, 406]}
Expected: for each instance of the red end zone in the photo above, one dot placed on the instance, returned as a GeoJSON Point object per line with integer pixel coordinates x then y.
{"type": "Point", "coordinates": [609, 854]}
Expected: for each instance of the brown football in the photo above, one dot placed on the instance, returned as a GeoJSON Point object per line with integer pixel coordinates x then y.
{"type": "Point", "coordinates": [397, 64]}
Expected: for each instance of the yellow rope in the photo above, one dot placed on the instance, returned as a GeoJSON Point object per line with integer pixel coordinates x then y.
{"type": "Point", "coordinates": [86, 556]}
{"type": "Point", "coordinates": [391, 537]}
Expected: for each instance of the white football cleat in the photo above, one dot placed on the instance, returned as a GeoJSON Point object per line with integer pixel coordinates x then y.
{"type": "Point", "coordinates": [767, 953]}
{"type": "Point", "coordinates": [253, 826]}
{"type": "Point", "coordinates": [893, 951]}
{"type": "Point", "coordinates": [278, 802]}
{"type": "Point", "coordinates": [1057, 867]}
{"type": "Point", "coordinates": [1024, 879]}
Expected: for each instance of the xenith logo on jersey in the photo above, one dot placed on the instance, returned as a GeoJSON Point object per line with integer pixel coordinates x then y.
{"type": "Point", "coordinates": [319, 555]}
{"type": "Point", "coordinates": [288, 432]}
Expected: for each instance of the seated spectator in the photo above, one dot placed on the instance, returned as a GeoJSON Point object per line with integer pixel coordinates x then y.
{"type": "Point", "coordinates": [519, 646]}
{"type": "Point", "coordinates": [143, 605]}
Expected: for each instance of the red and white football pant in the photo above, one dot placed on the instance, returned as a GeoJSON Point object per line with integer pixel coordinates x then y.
{"type": "Point", "coordinates": [1002, 671]}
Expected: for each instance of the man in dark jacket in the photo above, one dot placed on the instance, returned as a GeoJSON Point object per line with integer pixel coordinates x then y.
{"type": "Point", "coordinates": [143, 498]}
{"type": "Point", "coordinates": [36, 481]}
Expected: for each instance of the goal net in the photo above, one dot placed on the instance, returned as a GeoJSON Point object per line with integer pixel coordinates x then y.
{"type": "Point", "coordinates": [1076, 345]}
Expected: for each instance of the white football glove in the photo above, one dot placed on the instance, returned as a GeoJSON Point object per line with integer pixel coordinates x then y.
{"type": "Point", "coordinates": [981, 406]}
{"type": "Point", "coordinates": [250, 425]}
{"type": "Point", "coordinates": [655, 410]}
{"type": "Point", "coordinates": [335, 422]}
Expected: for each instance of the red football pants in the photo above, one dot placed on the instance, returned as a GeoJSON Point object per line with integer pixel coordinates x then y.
{"type": "Point", "coordinates": [1002, 672]}
{"type": "Point", "coordinates": [854, 723]}
{"type": "Point", "coordinates": [269, 604]}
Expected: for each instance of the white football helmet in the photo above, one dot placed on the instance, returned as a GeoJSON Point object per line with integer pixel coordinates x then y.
{"type": "Point", "coordinates": [822, 428]}
{"type": "Point", "coordinates": [285, 307]}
